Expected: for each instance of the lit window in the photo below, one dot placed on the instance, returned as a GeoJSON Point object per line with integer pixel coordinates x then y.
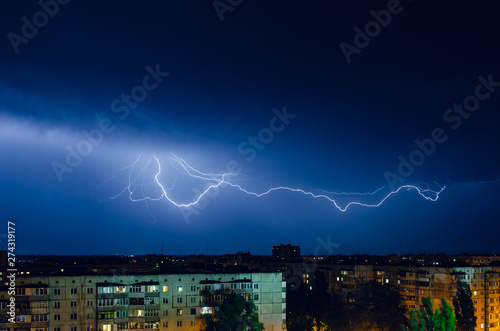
{"type": "Point", "coordinates": [179, 288]}
{"type": "Point", "coordinates": [179, 312]}
{"type": "Point", "coordinates": [206, 310]}
{"type": "Point", "coordinates": [165, 288]}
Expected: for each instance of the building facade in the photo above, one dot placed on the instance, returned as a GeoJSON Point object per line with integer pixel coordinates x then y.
{"type": "Point", "coordinates": [415, 283]}
{"type": "Point", "coordinates": [137, 302]}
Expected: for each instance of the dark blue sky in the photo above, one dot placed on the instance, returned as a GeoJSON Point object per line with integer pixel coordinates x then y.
{"type": "Point", "coordinates": [350, 117]}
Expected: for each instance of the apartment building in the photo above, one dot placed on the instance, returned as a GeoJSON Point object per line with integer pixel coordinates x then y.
{"type": "Point", "coordinates": [137, 302]}
{"type": "Point", "coordinates": [415, 283]}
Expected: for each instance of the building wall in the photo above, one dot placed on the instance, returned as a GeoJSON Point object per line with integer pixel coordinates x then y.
{"type": "Point", "coordinates": [112, 303]}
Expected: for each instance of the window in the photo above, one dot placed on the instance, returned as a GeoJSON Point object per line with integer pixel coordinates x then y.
{"type": "Point", "coordinates": [21, 318]}
{"type": "Point", "coordinates": [135, 288]}
{"type": "Point", "coordinates": [165, 300]}
{"type": "Point", "coordinates": [151, 325]}
{"type": "Point", "coordinates": [256, 286]}
{"type": "Point", "coordinates": [121, 301]}
{"type": "Point", "coordinates": [179, 323]}
{"type": "Point", "coordinates": [122, 326]}
{"type": "Point", "coordinates": [57, 329]}
{"type": "Point", "coordinates": [136, 301]}
{"type": "Point", "coordinates": [90, 316]}
{"type": "Point", "coordinates": [57, 317]}
{"type": "Point", "coordinates": [179, 288]}
{"type": "Point", "coordinates": [206, 310]}
{"type": "Point", "coordinates": [73, 290]}
{"type": "Point", "coordinates": [106, 315]}
{"type": "Point", "coordinates": [179, 300]}
{"type": "Point", "coordinates": [57, 304]}
{"type": "Point", "coordinates": [90, 303]}
{"type": "Point", "coordinates": [73, 316]}
{"type": "Point", "coordinates": [122, 313]}
{"type": "Point", "coordinates": [165, 324]}
{"type": "Point", "coordinates": [192, 322]}
{"type": "Point", "coordinates": [152, 288]}
{"type": "Point", "coordinates": [165, 312]}
{"type": "Point", "coordinates": [73, 328]}
{"type": "Point", "coordinates": [193, 311]}
{"type": "Point", "coordinates": [90, 290]}
{"type": "Point", "coordinates": [193, 299]}
{"type": "Point", "coordinates": [73, 303]}
{"type": "Point", "coordinates": [57, 291]}
{"type": "Point", "coordinates": [121, 289]}
{"type": "Point", "coordinates": [151, 313]}
{"type": "Point", "coordinates": [193, 288]}
{"type": "Point", "coordinates": [179, 312]}
{"type": "Point", "coordinates": [165, 288]}
{"type": "Point", "coordinates": [256, 297]}
{"type": "Point", "coordinates": [40, 291]}
{"type": "Point", "coordinates": [39, 318]}
{"type": "Point", "coordinates": [105, 302]}
{"type": "Point", "coordinates": [152, 301]}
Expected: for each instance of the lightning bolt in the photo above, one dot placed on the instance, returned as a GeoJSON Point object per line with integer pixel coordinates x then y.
{"type": "Point", "coordinates": [216, 180]}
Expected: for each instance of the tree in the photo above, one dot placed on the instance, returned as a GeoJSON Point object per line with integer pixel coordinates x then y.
{"type": "Point", "coordinates": [464, 308]}
{"type": "Point", "coordinates": [383, 304]}
{"type": "Point", "coordinates": [235, 314]}
{"type": "Point", "coordinates": [426, 319]}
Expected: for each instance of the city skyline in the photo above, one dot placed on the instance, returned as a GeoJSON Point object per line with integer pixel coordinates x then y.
{"type": "Point", "coordinates": [370, 126]}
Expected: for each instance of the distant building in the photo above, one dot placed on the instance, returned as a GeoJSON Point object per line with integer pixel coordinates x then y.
{"type": "Point", "coordinates": [137, 302]}
{"type": "Point", "coordinates": [287, 253]}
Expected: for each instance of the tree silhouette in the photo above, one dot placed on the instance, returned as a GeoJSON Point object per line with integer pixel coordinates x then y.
{"type": "Point", "coordinates": [235, 314]}
{"type": "Point", "coordinates": [464, 308]}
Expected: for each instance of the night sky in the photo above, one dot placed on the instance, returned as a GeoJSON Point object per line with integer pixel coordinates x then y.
{"type": "Point", "coordinates": [322, 96]}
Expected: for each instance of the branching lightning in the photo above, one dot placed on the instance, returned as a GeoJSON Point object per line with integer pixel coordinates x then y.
{"type": "Point", "coordinates": [137, 178]}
